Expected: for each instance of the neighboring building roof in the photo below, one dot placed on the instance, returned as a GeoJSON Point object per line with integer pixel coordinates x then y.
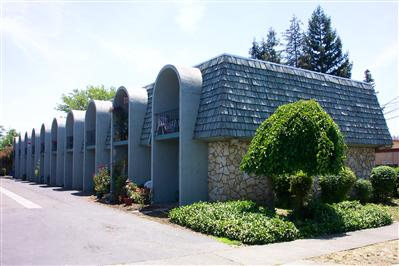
{"type": "Point", "coordinates": [238, 94]}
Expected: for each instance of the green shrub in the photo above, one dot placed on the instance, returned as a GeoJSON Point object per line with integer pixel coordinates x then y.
{"type": "Point", "coordinates": [292, 190]}
{"type": "Point", "coordinates": [362, 190]}
{"type": "Point", "coordinates": [281, 187]}
{"type": "Point", "coordinates": [236, 220]}
{"type": "Point", "coordinates": [119, 186]}
{"type": "Point", "coordinates": [321, 219]}
{"type": "Point", "coordinates": [335, 188]}
{"type": "Point", "coordinates": [383, 179]}
{"type": "Point", "coordinates": [102, 181]}
{"type": "Point", "coordinates": [297, 136]}
{"type": "Point", "coordinates": [397, 181]}
{"type": "Point", "coordinates": [300, 187]}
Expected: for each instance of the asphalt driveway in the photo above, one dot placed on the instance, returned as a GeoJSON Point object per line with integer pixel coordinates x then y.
{"type": "Point", "coordinates": [66, 228]}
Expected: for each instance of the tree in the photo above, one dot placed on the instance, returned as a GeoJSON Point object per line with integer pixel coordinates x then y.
{"type": "Point", "coordinates": [266, 50]}
{"type": "Point", "coordinates": [323, 48]}
{"type": "Point", "coordinates": [7, 139]}
{"type": "Point", "coordinates": [269, 47]}
{"type": "Point", "coordinates": [255, 51]}
{"type": "Point", "coordinates": [79, 99]}
{"type": "Point", "coordinates": [298, 136]}
{"type": "Point", "coordinates": [294, 38]}
{"type": "Point", "coordinates": [368, 78]}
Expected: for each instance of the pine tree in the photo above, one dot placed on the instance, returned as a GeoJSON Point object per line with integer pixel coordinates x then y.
{"type": "Point", "coordinates": [266, 50]}
{"type": "Point", "coordinates": [269, 48]}
{"type": "Point", "coordinates": [255, 51]}
{"type": "Point", "coordinates": [368, 77]}
{"type": "Point", "coordinates": [294, 37]}
{"type": "Point", "coordinates": [323, 48]}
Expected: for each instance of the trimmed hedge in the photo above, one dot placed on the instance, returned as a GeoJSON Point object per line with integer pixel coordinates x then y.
{"type": "Point", "coordinates": [236, 220]}
{"type": "Point", "coordinates": [322, 219]}
{"type": "Point", "coordinates": [362, 190]}
{"type": "Point", "coordinates": [335, 188]}
{"type": "Point", "coordinates": [297, 136]}
{"type": "Point", "coordinates": [383, 179]}
{"type": "Point", "coordinates": [251, 224]}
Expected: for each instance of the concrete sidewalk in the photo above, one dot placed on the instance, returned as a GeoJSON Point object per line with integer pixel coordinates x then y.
{"type": "Point", "coordinates": [288, 252]}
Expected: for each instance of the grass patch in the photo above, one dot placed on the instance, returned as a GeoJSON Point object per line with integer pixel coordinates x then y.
{"type": "Point", "coordinates": [393, 208]}
{"type": "Point", "coordinates": [229, 241]}
{"type": "Point", "coordinates": [249, 223]}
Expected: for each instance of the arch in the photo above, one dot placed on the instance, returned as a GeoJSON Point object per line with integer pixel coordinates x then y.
{"type": "Point", "coordinates": [179, 163]}
{"type": "Point", "coordinates": [57, 152]}
{"type": "Point", "coordinates": [45, 154]}
{"type": "Point", "coordinates": [21, 156]}
{"type": "Point", "coordinates": [73, 170]}
{"type": "Point", "coordinates": [129, 157]}
{"type": "Point", "coordinates": [35, 154]}
{"type": "Point", "coordinates": [16, 157]}
{"type": "Point", "coordinates": [97, 140]}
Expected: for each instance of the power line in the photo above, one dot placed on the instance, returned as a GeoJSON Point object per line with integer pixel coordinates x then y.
{"type": "Point", "coordinates": [392, 110]}
{"type": "Point", "coordinates": [397, 97]}
{"type": "Point", "coordinates": [392, 117]}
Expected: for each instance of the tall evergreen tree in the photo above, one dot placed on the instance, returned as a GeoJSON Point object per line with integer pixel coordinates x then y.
{"type": "Point", "coordinates": [368, 77]}
{"type": "Point", "coordinates": [293, 37]}
{"type": "Point", "coordinates": [323, 48]}
{"type": "Point", "coordinates": [269, 48]}
{"type": "Point", "coordinates": [266, 50]}
{"type": "Point", "coordinates": [255, 51]}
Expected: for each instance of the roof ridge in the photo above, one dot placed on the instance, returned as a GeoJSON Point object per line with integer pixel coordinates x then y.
{"type": "Point", "coordinates": [283, 66]}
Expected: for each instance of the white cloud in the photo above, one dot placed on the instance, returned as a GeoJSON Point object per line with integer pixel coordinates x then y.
{"type": "Point", "coordinates": [189, 15]}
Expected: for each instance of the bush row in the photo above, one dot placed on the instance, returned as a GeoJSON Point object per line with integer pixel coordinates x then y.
{"type": "Point", "coordinates": [295, 190]}
{"type": "Point", "coordinates": [251, 224]}
{"type": "Point", "coordinates": [236, 220]}
{"type": "Point", "coordinates": [320, 219]}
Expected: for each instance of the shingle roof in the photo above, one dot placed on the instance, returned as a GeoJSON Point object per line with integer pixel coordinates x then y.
{"type": "Point", "coordinates": [146, 131]}
{"type": "Point", "coordinates": [238, 94]}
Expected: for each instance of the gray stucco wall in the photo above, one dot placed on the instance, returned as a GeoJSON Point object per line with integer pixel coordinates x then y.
{"type": "Point", "coordinates": [100, 155]}
{"type": "Point", "coordinates": [27, 157]}
{"type": "Point", "coordinates": [35, 154]}
{"type": "Point", "coordinates": [138, 156]}
{"type": "Point", "coordinates": [16, 158]}
{"type": "Point", "coordinates": [182, 160]}
{"type": "Point", "coordinates": [78, 138]}
{"type": "Point", "coordinates": [60, 152]}
{"type": "Point", "coordinates": [22, 161]}
{"type": "Point", "coordinates": [45, 157]}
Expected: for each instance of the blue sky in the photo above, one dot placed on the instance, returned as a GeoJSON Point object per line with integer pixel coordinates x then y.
{"type": "Point", "coordinates": [51, 48]}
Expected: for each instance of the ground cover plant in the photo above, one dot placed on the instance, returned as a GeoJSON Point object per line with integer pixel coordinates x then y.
{"type": "Point", "coordinates": [250, 223]}
{"type": "Point", "coordinates": [236, 220]}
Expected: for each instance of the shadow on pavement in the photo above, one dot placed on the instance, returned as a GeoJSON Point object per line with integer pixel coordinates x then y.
{"type": "Point", "coordinates": [81, 194]}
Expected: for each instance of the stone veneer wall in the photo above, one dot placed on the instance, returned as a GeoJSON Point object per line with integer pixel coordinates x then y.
{"type": "Point", "coordinates": [361, 160]}
{"type": "Point", "coordinates": [226, 181]}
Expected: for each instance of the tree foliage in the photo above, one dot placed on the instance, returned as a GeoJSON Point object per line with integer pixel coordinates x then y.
{"type": "Point", "coordinates": [7, 138]}
{"type": "Point", "coordinates": [79, 99]}
{"type": "Point", "coordinates": [294, 38]}
{"type": "Point", "coordinates": [267, 50]}
{"type": "Point", "coordinates": [368, 77]}
{"type": "Point", "coordinates": [323, 48]}
{"type": "Point", "coordinates": [297, 136]}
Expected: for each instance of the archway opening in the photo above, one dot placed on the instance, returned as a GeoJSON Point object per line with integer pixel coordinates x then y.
{"type": "Point", "coordinates": [120, 123]}
{"type": "Point", "coordinates": [53, 160]}
{"type": "Point", "coordinates": [90, 146]}
{"type": "Point", "coordinates": [166, 126]}
{"type": "Point", "coordinates": [69, 151]}
{"type": "Point", "coordinates": [42, 152]}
